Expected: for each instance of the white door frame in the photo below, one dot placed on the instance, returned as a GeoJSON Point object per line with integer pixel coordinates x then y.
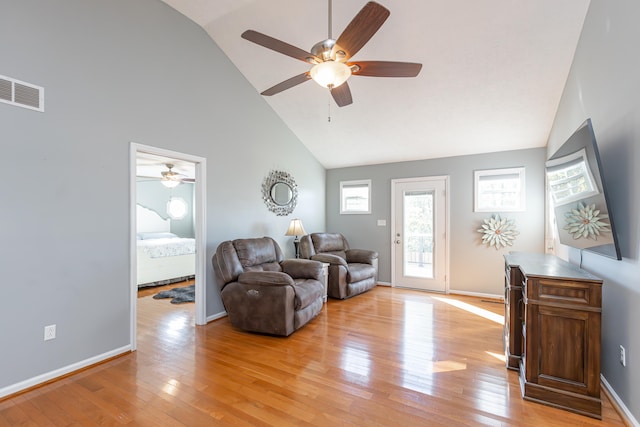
{"type": "Point", "coordinates": [200, 231]}
{"type": "Point", "coordinates": [394, 253]}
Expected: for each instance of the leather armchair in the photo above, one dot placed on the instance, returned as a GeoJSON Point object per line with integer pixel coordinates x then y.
{"type": "Point", "coordinates": [351, 271]}
{"type": "Point", "coordinates": [263, 293]}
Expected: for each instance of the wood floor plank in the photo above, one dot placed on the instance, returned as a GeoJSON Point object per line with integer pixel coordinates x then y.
{"type": "Point", "coordinates": [389, 357]}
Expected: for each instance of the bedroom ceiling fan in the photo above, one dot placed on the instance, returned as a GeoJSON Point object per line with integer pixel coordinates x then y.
{"type": "Point", "coordinates": [172, 179]}
{"type": "Point", "coordinates": [330, 57]}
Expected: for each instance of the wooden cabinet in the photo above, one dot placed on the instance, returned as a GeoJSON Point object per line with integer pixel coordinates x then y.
{"type": "Point", "coordinates": [558, 325]}
{"type": "Point", "coordinates": [512, 316]}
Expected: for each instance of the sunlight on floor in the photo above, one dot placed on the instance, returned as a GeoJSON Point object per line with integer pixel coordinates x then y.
{"type": "Point", "coordinates": [356, 361]}
{"type": "Point", "coordinates": [447, 366]}
{"type": "Point", "coordinates": [497, 318]}
{"type": "Point", "coordinates": [171, 387]}
{"type": "Point", "coordinates": [419, 356]}
{"type": "Point", "coordinates": [176, 325]}
{"type": "Point", "coordinates": [500, 357]}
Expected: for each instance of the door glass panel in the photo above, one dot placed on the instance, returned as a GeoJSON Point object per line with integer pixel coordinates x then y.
{"type": "Point", "coordinates": [418, 234]}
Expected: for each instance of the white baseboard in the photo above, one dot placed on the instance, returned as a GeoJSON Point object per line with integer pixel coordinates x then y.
{"type": "Point", "coordinates": [31, 382]}
{"type": "Point", "coordinates": [618, 404]}
{"type": "Point", "coordinates": [477, 294]}
{"type": "Point", "coordinates": [454, 292]}
{"type": "Point", "coordinates": [216, 316]}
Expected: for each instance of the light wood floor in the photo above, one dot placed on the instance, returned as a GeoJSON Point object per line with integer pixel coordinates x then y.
{"type": "Point", "coordinates": [152, 290]}
{"type": "Point", "coordinates": [389, 357]}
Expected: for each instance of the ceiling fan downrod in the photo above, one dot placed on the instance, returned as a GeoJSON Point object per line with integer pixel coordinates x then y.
{"type": "Point", "coordinates": [329, 20]}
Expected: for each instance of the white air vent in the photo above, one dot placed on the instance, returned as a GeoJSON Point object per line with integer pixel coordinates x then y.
{"type": "Point", "coordinates": [21, 94]}
{"type": "Point", "coordinates": [6, 90]}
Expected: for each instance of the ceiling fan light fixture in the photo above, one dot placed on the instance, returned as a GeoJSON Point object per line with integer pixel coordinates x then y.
{"type": "Point", "coordinates": [330, 74]}
{"type": "Point", "coordinates": [169, 182]}
{"type": "Point", "coordinates": [170, 179]}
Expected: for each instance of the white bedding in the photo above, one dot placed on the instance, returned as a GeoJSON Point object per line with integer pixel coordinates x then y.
{"type": "Point", "coordinates": [167, 247]}
{"type": "Point", "coordinates": [162, 257]}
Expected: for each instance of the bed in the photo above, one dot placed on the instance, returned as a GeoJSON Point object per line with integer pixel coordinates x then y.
{"type": "Point", "coordinates": [163, 257]}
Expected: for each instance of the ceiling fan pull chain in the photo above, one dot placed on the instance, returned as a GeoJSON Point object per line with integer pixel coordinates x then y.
{"type": "Point", "coordinates": [329, 108]}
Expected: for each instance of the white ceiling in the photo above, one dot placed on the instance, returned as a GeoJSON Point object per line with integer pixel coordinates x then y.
{"type": "Point", "coordinates": [492, 76]}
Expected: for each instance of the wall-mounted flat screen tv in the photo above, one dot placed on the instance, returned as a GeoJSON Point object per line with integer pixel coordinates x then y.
{"type": "Point", "coordinates": [579, 196]}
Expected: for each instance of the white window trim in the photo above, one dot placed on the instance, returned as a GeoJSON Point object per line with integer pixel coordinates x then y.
{"type": "Point", "coordinates": [363, 182]}
{"type": "Point", "coordinates": [520, 207]}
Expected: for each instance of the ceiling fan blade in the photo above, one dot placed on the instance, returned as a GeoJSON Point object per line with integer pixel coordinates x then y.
{"type": "Point", "coordinates": [342, 95]}
{"type": "Point", "coordinates": [287, 84]}
{"type": "Point", "coordinates": [386, 68]}
{"type": "Point", "coordinates": [363, 26]}
{"type": "Point", "coordinates": [280, 46]}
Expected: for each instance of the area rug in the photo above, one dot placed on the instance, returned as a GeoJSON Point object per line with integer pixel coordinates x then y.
{"type": "Point", "coordinates": [178, 295]}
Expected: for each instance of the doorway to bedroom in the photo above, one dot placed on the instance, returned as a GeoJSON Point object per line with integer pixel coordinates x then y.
{"type": "Point", "coordinates": [167, 235]}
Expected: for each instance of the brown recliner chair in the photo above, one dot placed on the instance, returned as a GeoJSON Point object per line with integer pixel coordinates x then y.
{"type": "Point", "coordinates": [352, 271]}
{"type": "Point", "coordinates": [261, 292]}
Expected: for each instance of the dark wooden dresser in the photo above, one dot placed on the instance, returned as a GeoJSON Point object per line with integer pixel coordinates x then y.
{"type": "Point", "coordinates": [552, 331]}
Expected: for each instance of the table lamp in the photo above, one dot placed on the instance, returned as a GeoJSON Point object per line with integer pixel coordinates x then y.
{"type": "Point", "coordinates": [296, 229]}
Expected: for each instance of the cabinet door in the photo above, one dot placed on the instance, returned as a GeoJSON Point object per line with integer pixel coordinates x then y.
{"type": "Point", "coordinates": [568, 350]}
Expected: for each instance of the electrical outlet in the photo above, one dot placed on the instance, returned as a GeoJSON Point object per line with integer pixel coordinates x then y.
{"type": "Point", "coordinates": [49, 332]}
{"type": "Point", "coordinates": [623, 356]}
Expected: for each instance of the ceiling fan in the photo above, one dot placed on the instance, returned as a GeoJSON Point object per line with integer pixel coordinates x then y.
{"type": "Point", "coordinates": [330, 58]}
{"type": "Point", "coordinates": [171, 178]}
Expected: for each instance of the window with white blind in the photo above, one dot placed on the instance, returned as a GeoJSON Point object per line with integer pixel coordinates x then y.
{"type": "Point", "coordinates": [499, 190]}
{"type": "Point", "coordinates": [355, 197]}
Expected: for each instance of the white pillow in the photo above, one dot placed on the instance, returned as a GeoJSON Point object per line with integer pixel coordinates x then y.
{"type": "Point", "coordinates": [156, 235]}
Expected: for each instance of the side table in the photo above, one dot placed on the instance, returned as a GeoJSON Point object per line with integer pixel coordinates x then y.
{"type": "Point", "coordinates": [325, 279]}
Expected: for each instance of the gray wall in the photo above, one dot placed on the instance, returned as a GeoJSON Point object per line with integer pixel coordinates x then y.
{"type": "Point", "coordinates": [474, 268]}
{"type": "Point", "coordinates": [117, 72]}
{"type": "Point", "coordinates": [604, 84]}
{"type": "Point", "coordinates": [153, 195]}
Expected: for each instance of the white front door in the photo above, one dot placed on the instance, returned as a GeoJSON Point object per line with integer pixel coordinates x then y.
{"type": "Point", "coordinates": [419, 233]}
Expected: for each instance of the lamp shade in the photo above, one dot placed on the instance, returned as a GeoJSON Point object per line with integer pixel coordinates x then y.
{"type": "Point", "coordinates": [330, 74]}
{"type": "Point", "coordinates": [295, 228]}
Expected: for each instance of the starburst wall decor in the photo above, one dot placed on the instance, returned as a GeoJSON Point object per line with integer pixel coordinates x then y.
{"type": "Point", "coordinates": [498, 232]}
{"type": "Point", "coordinates": [586, 222]}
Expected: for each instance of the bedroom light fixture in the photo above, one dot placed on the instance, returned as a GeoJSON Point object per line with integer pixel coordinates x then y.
{"type": "Point", "coordinates": [169, 183]}
{"type": "Point", "coordinates": [296, 229]}
{"type": "Point", "coordinates": [170, 179]}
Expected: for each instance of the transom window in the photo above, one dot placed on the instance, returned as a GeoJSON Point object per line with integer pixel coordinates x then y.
{"type": "Point", "coordinates": [355, 197]}
{"type": "Point", "coordinates": [499, 190]}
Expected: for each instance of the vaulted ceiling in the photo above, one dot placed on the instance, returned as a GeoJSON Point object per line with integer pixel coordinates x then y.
{"type": "Point", "coordinates": [492, 76]}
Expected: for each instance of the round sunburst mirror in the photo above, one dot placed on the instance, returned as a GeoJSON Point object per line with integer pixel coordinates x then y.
{"type": "Point", "coordinates": [280, 192]}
